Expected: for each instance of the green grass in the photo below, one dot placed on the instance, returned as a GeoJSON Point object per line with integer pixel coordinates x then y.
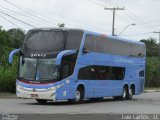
{"type": "Point", "coordinates": [156, 89]}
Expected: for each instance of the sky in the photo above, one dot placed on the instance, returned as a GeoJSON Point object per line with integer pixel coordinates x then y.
{"type": "Point", "coordinates": [84, 14]}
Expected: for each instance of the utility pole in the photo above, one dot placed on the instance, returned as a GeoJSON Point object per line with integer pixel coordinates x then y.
{"type": "Point", "coordinates": [158, 32]}
{"type": "Point", "coordinates": [114, 10]}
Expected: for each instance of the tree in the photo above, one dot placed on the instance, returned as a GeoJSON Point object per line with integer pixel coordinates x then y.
{"type": "Point", "coordinates": [4, 46]}
{"type": "Point", "coordinates": [153, 72]}
{"type": "Point", "coordinates": [153, 63]}
{"type": "Point", "coordinates": [151, 46]}
{"type": "Point", "coordinates": [16, 36]}
{"type": "Point", "coordinates": [9, 40]}
{"type": "Point", "coordinates": [4, 41]}
{"type": "Point", "coordinates": [61, 25]}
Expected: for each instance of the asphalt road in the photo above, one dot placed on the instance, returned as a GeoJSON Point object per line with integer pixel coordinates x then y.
{"type": "Point", "coordinates": [146, 103]}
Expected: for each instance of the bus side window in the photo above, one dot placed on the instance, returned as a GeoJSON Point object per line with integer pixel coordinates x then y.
{"type": "Point", "coordinates": [100, 73]}
{"type": "Point", "coordinates": [118, 73]}
{"type": "Point", "coordinates": [97, 72]}
{"type": "Point", "coordinates": [141, 73]}
{"type": "Point", "coordinates": [65, 71]}
{"type": "Point", "coordinates": [85, 73]}
{"type": "Point", "coordinates": [110, 75]}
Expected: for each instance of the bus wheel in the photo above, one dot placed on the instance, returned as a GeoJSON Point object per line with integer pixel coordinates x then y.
{"type": "Point", "coordinates": [41, 101]}
{"type": "Point", "coordinates": [130, 94]}
{"type": "Point", "coordinates": [79, 96]}
{"type": "Point", "coordinates": [124, 94]}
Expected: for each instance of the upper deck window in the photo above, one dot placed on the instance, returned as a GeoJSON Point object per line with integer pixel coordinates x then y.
{"type": "Point", "coordinates": [108, 45]}
{"type": "Point", "coordinates": [51, 42]}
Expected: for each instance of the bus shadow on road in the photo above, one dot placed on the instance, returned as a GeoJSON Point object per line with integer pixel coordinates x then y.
{"type": "Point", "coordinates": [87, 101]}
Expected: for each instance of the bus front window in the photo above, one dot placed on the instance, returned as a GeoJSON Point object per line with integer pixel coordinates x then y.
{"type": "Point", "coordinates": [38, 69]}
{"type": "Point", "coordinates": [46, 69]}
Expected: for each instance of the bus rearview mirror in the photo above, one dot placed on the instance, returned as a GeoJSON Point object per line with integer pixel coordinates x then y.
{"type": "Point", "coordinates": [11, 55]}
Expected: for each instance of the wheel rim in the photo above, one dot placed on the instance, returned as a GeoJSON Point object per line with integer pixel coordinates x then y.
{"type": "Point", "coordinates": [130, 92]}
{"type": "Point", "coordinates": [124, 93]}
{"type": "Point", "coordinates": [78, 95]}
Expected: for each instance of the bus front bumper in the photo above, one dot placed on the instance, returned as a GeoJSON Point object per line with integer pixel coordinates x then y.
{"type": "Point", "coordinates": [31, 93]}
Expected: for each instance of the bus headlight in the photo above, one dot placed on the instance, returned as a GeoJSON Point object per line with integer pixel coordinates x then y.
{"type": "Point", "coordinates": [51, 88]}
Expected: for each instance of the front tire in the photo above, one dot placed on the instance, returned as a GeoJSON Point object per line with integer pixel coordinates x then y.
{"type": "Point", "coordinates": [79, 96]}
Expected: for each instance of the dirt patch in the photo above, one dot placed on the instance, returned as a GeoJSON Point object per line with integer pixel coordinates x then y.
{"type": "Point", "coordinates": [4, 95]}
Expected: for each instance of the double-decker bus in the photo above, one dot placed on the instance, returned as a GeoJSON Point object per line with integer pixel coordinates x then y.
{"type": "Point", "coordinates": [73, 64]}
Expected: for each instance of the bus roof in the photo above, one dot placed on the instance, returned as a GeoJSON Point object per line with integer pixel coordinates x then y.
{"type": "Point", "coordinates": [114, 37]}
{"type": "Point", "coordinates": [89, 32]}
{"type": "Point", "coordinates": [40, 39]}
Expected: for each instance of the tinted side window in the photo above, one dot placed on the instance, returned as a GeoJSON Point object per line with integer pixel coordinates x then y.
{"type": "Point", "coordinates": [141, 73]}
{"type": "Point", "coordinates": [95, 72]}
{"type": "Point", "coordinates": [87, 73]}
{"type": "Point", "coordinates": [108, 45]}
{"type": "Point", "coordinates": [118, 73]}
{"type": "Point", "coordinates": [65, 71]}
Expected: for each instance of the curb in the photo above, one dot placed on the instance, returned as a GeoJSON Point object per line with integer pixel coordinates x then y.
{"type": "Point", "coordinates": [148, 91]}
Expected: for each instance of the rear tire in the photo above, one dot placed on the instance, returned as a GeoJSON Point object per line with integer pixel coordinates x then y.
{"type": "Point", "coordinates": [41, 101]}
{"type": "Point", "coordinates": [130, 94]}
{"type": "Point", "coordinates": [124, 93]}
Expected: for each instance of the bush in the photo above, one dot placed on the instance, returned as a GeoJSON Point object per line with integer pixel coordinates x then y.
{"type": "Point", "coordinates": [153, 72]}
{"type": "Point", "coordinates": [8, 75]}
{"type": "Point", "coordinates": [7, 79]}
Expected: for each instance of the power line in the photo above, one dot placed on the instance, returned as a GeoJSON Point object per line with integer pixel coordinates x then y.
{"type": "Point", "coordinates": [131, 15]}
{"type": "Point", "coordinates": [114, 10]}
{"type": "Point", "coordinates": [150, 22]}
{"type": "Point", "coordinates": [138, 34]}
{"type": "Point", "coordinates": [102, 1]}
{"type": "Point", "coordinates": [102, 5]}
{"type": "Point", "coordinates": [24, 10]}
{"type": "Point", "coordinates": [52, 13]}
{"type": "Point", "coordinates": [11, 22]}
{"type": "Point", "coordinates": [20, 14]}
{"type": "Point", "coordinates": [18, 19]}
{"type": "Point", "coordinates": [75, 20]}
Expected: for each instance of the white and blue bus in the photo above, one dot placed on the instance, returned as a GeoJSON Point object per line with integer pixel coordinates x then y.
{"type": "Point", "coordinates": [73, 64]}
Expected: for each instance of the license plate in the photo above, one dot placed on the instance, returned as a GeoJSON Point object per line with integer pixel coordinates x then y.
{"type": "Point", "coordinates": [34, 95]}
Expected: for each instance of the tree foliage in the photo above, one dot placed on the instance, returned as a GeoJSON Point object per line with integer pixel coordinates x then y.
{"type": "Point", "coordinates": [9, 40]}
{"type": "Point", "coordinates": [153, 63]}
{"type": "Point", "coordinates": [152, 47]}
{"type": "Point", "coordinates": [16, 37]}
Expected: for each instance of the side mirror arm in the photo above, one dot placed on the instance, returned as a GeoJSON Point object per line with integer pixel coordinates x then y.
{"type": "Point", "coordinates": [12, 53]}
{"type": "Point", "coordinates": [63, 53]}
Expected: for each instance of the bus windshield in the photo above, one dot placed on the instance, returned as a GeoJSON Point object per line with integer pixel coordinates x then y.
{"type": "Point", "coordinates": [38, 69]}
